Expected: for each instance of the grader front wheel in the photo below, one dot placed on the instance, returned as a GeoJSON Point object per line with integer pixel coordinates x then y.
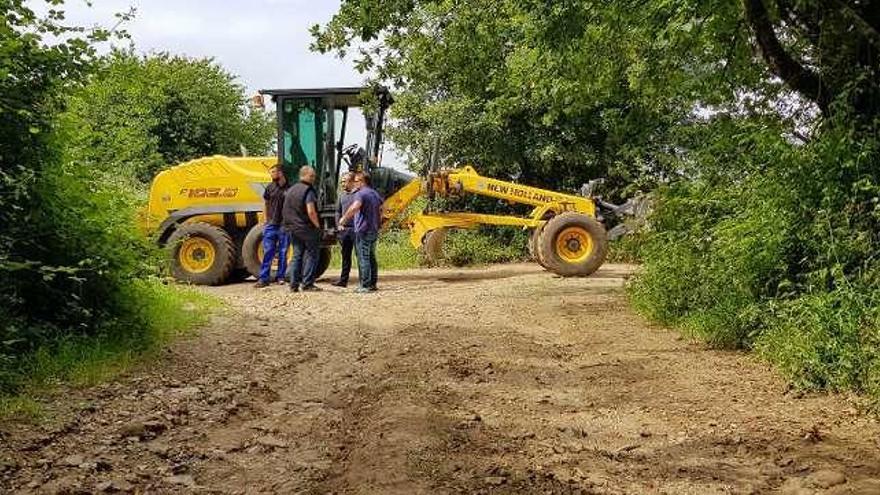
{"type": "Point", "coordinates": [432, 245]}
{"type": "Point", "coordinates": [534, 245]}
{"type": "Point", "coordinates": [572, 245]}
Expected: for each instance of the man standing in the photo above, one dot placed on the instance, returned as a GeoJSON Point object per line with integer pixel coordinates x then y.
{"type": "Point", "coordinates": [345, 235]}
{"type": "Point", "coordinates": [366, 208]}
{"type": "Point", "coordinates": [300, 217]}
{"type": "Point", "coordinates": [275, 239]}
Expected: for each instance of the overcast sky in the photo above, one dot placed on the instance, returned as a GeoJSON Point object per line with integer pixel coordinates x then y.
{"type": "Point", "coordinates": [264, 42]}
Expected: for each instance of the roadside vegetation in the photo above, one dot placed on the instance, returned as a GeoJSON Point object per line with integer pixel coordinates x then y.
{"type": "Point", "coordinates": [393, 252]}
{"type": "Point", "coordinates": [462, 248]}
{"type": "Point", "coordinates": [753, 123]}
{"type": "Point", "coordinates": [81, 289]}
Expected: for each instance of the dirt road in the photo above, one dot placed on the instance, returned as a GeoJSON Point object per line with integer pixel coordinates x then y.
{"type": "Point", "coordinates": [496, 380]}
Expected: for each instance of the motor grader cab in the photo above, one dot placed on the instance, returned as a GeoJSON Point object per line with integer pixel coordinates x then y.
{"type": "Point", "coordinates": [209, 211]}
{"type": "Point", "coordinates": [312, 125]}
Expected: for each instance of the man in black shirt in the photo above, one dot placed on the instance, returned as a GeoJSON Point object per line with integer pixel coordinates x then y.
{"type": "Point", "coordinates": [300, 220]}
{"type": "Point", "coordinates": [275, 239]}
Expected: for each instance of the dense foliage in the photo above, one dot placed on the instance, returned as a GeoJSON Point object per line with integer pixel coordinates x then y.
{"type": "Point", "coordinates": [44, 281]}
{"type": "Point", "coordinates": [140, 114]}
{"type": "Point", "coordinates": [755, 121]}
{"type": "Point", "coordinates": [78, 134]}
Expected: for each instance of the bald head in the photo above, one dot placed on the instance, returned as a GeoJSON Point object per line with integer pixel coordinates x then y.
{"type": "Point", "coordinates": [307, 174]}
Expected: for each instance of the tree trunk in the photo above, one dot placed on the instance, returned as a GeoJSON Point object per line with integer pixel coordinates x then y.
{"type": "Point", "coordinates": [801, 79]}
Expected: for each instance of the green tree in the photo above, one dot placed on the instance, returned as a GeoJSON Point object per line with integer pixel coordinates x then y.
{"type": "Point", "coordinates": [481, 79]}
{"type": "Point", "coordinates": [141, 114]}
{"type": "Point", "coordinates": [78, 132]}
{"type": "Point", "coordinates": [757, 120]}
{"type": "Point", "coordinates": [556, 92]}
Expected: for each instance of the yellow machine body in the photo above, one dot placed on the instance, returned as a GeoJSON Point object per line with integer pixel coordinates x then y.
{"type": "Point", "coordinates": [217, 190]}
{"type": "Point", "coordinates": [227, 194]}
{"type": "Point", "coordinates": [566, 238]}
{"type": "Point", "coordinates": [466, 180]}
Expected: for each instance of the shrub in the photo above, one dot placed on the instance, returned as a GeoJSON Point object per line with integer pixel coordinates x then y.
{"type": "Point", "coordinates": [78, 134]}
{"type": "Point", "coordinates": [486, 245]}
{"type": "Point", "coordinates": [782, 259]}
{"type": "Point", "coordinates": [827, 340]}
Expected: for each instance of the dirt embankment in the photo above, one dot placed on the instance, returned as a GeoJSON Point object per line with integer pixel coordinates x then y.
{"type": "Point", "coordinates": [498, 380]}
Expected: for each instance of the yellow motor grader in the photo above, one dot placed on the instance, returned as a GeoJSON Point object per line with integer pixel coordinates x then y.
{"type": "Point", "coordinates": [208, 211]}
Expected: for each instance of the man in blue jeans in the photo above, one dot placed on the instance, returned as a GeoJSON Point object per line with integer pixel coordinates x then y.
{"type": "Point", "coordinates": [300, 220]}
{"type": "Point", "coordinates": [275, 240]}
{"type": "Point", "coordinates": [366, 209]}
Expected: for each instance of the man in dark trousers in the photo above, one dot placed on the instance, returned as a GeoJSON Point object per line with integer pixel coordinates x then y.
{"type": "Point", "coordinates": [275, 240]}
{"type": "Point", "coordinates": [366, 210]}
{"type": "Point", "coordinates": [300, 217]}
{"type": "Point", "coordinates": [345, 235]}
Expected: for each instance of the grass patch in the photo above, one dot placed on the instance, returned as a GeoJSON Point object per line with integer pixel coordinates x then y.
{"type": "Point", "coordinates": [486, 245]}
{"type": "Point", "coordinates": [161, 313]}
{"type": "Point", "coordinates": [394, 252]}
{"type": "Point", "coordinates": [625, 249]}
{"type": "Point", "coordinates": [21, 409]}
{"type": "Point", "coordinates": [462, 248]}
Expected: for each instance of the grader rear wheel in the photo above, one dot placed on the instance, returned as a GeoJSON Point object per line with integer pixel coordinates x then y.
{"type": "Point", "coordinates": [572, 245]}
{"type": "Point", "coordinates": [325, 254]}
{"type": "Point", "coordinates": [201, 254]}
{"type": "Point", "coordinates": [238, 275]}
{"type": "Point", "coordinates": [252, 252]}
{"type": "Point", "coordinates": [432, 245]}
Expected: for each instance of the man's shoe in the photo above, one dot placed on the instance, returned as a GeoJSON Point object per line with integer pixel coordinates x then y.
{"type": "Point", "coordinates": [294, 288]}
{"type": "Point", "coordinates": [339, 283]}
{"type": "Point", "coordinates": [363, 290]}
{"type": "Point", "coordinates": [311, 288]}
{"type": "Point", "coordinates": [261, 284]}
{"type": "Point", "coordinates": [281, 281]}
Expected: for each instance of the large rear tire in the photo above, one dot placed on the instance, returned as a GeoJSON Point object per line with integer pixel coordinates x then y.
{"type": "Point", "coordinates": [325, 254]}
{"type": "Point", "coordinates": [201, 254]}
{"type": "Point", "coordinates": [432, 245]}
{"type": "Point", "coordinates": [252, 255]}
{"type": "Point", "coordinates": [238, 275]}
{"type": "Point", "coordinates": [252, 252]}
{"type": "Point", "coordinates": [572, 245]}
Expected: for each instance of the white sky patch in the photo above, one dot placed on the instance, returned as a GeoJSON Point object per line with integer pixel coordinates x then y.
{"type": "Point", "coordinates": [264, 42]}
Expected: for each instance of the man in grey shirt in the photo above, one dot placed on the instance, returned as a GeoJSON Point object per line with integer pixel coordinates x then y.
{"type": "Point", "coordinates": [346, 235]}
{"type": "Point", "coordinates": [366, 211]}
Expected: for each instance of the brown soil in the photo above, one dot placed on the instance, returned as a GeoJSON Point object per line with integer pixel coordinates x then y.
{"type": "Point", "coordinates": [493, 380]}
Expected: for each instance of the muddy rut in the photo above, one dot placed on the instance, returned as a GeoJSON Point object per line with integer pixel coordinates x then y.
{"type": "Point", "coordinates": [494, 380]}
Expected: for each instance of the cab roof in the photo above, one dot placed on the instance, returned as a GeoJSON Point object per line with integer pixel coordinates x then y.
{"type": "Point", "coordinates": [349, 97]}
